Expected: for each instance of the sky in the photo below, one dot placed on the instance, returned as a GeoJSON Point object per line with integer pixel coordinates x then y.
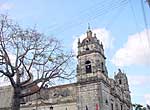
{"type": "Point", "coordinates": [122, 25]}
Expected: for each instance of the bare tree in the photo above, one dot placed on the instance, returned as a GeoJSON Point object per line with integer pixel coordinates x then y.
{"type": "Point", "coordinates": [28, 59]}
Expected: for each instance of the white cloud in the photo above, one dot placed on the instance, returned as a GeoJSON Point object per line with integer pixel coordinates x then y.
{"type": "Point", "coordinates": [138, 80]}
{"type": "Point", "coordinates": [135, 51]}
{"type": "Point", "coordinates": [147, 98]}
{"type": "Point", "coordinates": [4, 81]}
{"type": "Point", "coordinates": [102, 34]}
{"type": "Point", "coordinates": [6, 6]}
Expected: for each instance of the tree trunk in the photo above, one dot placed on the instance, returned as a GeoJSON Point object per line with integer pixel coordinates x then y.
{"type": "Point", "coordinates": [16, 99]}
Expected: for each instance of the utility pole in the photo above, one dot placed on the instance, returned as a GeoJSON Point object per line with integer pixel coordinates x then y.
{"type": "Point", "coordinates": [148, 2]}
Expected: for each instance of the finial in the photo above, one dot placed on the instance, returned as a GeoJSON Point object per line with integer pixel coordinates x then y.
{"type": "Point", "coordinates": [102, 45]}
{"type": "Point", "coordinates": [119, 70]}
{"type": "Point", "coordinates": [89, 26]}
{"type": "Point", "coordinates": [89, 32]}
{"type": "Point", "coordinates": [78, 40]}
{"type": "Point", "coordinates": [94, 34]}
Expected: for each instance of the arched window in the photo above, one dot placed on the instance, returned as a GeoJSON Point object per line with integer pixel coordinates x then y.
{"type": "Point", "coordinates": [86, 108]}
{"type": "Point", "coordinates": [121, 107]}
{"type": "Point", "coordinates": [88, 67]}
{"type": "Point", "coordinates": [87, 48]}
{"type": "Point", "coordinates": [120, 81]}
{"type": "Point", "coordinates": [112, 106]}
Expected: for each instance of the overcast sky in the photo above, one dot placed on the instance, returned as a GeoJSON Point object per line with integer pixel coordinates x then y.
{"type": "Point", "coordinates": [119, 24]}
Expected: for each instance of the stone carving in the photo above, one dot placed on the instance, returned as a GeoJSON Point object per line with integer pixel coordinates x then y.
{"type": "Point", "coordinates": [61, 93]}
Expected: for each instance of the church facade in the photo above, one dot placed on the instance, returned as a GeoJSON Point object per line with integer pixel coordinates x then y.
{"type": "Point", "coordinates": [94, 90]}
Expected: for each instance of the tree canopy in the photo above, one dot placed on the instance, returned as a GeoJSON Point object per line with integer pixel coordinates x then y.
{"type": "Point", "coordinates": [29, 58]}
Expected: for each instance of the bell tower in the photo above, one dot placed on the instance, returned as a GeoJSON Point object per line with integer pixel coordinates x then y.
{"type": "Point", "coordinates": [91, 58]}
{"type": "Point", "coordinates": [122, 81]}
{"type": "Point", "coordinates": [91, 73]}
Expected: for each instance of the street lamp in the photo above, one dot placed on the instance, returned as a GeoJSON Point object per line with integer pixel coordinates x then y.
{"type": "Point", "coordinates": [51, 108]}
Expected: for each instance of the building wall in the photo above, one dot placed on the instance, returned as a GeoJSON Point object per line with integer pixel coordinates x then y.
{"type": "Point", "coordinates": [88, 96]}
{"type": "Point", "coordinates": [94, 90]}
{"type": "Point", "coordinates": [62, 106]}
{"type": "Point", "coordinates": [60, 97]}
{"type": "Point", "coordinates": [5, 97]}
{"type": "Point", "coordinates": [76, 96]}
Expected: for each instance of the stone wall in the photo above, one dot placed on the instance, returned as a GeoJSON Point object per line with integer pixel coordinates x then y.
{"type": "Point", "coordinates": [88, 96]}
{"type": "Point", "coordinates": [63, 106]}
{"type": "Point", "coordinates": [61, 97]}
{"type": "Point", "coordinates": [5, 97]}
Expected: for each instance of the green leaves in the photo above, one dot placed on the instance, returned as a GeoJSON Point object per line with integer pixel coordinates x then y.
{"type": "Point", "coordinates": [50, 58]}
{"type": "Point", "coordinates": [139, 107]}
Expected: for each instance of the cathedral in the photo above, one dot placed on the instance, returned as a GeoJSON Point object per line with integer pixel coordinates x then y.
{"type": "Point", "coordinates": [94, 90]}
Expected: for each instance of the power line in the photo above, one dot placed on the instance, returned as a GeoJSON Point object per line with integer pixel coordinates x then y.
{"type": "Point", "coordinates": [146, 23]}
{"type": "Point", "coordinates": [84, 13]}
{"type": "Point", "coordinates": [136, 24]}
{"type": "Point", "coordinates": [148, 2]}
{"type": "Point", "coordinates": [134, 15]}
{"type": "Point", "coordinates": [115, 16]}
{"type": "Point", "coordinates": [107, 8]}
{"type": "Point", "coordinates": [100, 9]}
